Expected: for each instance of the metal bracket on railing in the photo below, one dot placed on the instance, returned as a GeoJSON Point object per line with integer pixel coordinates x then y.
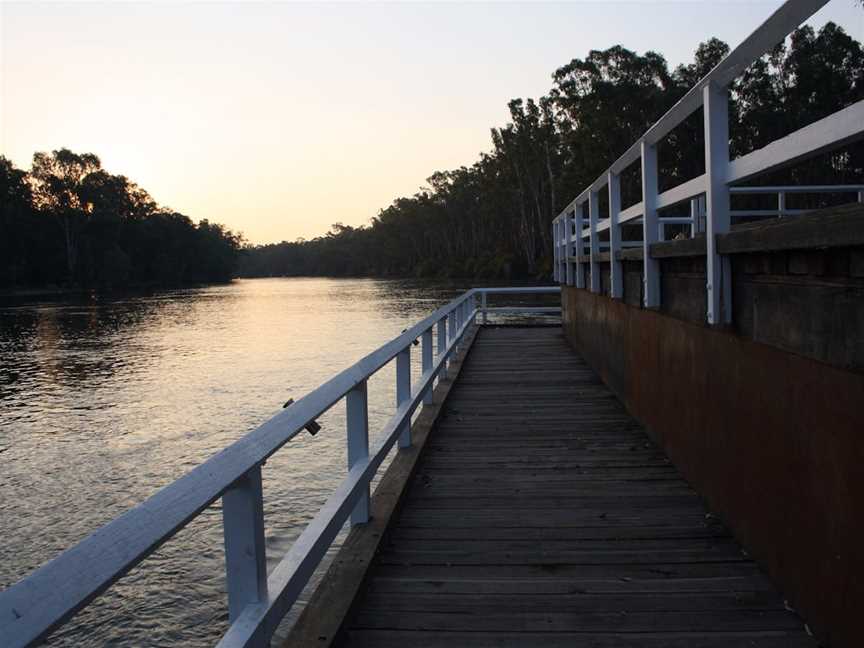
{"type": "Point", "coordinates": [312, 427]}
{"type": "Point", "coordinates": [415, 342]}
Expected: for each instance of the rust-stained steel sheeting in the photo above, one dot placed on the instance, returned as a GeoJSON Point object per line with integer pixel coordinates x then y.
{"type": "Point", "coordinates": [773, 440]}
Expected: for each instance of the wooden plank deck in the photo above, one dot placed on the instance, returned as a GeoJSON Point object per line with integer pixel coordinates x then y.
{"type": "Point", "coordinates": [540, 513]}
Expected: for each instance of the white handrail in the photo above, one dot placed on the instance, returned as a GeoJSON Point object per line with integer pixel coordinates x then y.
{"type": "Point", "coordinates": [52, 594]}
{"type": "Point", "coordinates": [713, 187]}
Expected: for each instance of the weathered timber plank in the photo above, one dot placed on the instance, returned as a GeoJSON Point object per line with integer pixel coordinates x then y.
{"type": "Point", "coordinates": [575, 585]}
{"type": "Point", "coordinates": [554, 572]}
{"type": "Point", "coordinates": [322, 617]}
{"type": "Point", "coordinates": [421, 639]}
{"type": "Point", "coordinates": [546, 556]}
{"type": "Point", "coordinates": [484, 603]}
{"type": "Point", "coordinates": [622, 621]}
{"type": "Point", "coordinates": [571, 534]}
{"type": "Point", "coordinates": [541, 514]}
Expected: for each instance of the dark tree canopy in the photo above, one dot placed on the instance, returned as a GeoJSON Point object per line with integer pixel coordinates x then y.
{"type": "Point", "coordinates": [69, 223]}
{"type": "Point", "coordinates": [492, 219]}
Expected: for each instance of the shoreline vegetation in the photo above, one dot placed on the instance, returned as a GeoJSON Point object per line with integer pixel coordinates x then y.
{"type": "Point", "coordinates": [68, 223]}
{"type": "Point", "coordinates": [70, 226]}
{"type": "Point", "coordinates": [492, 219]}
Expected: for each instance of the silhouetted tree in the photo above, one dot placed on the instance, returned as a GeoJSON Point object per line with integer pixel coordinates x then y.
{"type": "Point", "coordinates": [71, 222]}
{"type": "Point", "coordinates": [492, 219]}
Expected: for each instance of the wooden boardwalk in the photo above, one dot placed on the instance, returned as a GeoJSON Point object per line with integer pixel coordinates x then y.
{"type": "Point", "coordinates": [542, 515]}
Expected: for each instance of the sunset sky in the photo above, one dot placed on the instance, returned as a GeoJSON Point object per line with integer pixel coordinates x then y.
{"type": "Point", "coordinates": [279, 119]}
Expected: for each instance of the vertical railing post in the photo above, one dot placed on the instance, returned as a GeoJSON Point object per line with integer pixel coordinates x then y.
{"type": "Point", "coordinates": [556, 251]}
{"type": "Point", "coordinates": [452, 328]}
{"type": "Point", "coordinates": [442, 346]}
{"type": "Point", "coordinates": [694, 216]}
{"type": "Point", "coordinates": [781, 204]}
{"type": "Point", "coordinates": [245, 556]}
{"type": "Point", "coordinates": [427, 362]}
{"type": "Point", "coordinates": [568, 239]}
{"type": "Point", "coordinates": [357, 418]}
{"type": "Point", "coordinates": [718, 271]}
{"type": "Point", "coordinates": [616, 274]}
{"type": "Point", "coordinates": [578, 224]}
{"type": "Point", "coordinates": [403, 392]}
{"type": "Point", "coordinates": [593, 241]}
{"type": "Point", "coordinates": [565, 247]}
{"type": "Point", "coordinates": [651, 268]}
{"type": "Point", "coordinates": [483, 305]}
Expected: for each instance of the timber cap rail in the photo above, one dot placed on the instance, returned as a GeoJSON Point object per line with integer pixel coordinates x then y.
{"type": "Point", "coordinates": [43, 601]}
{"type": "Point", "coordinates": [709, 194]}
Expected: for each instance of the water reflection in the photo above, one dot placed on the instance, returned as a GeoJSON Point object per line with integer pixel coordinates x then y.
{"type": "Point", "coordinates": [102, 402]}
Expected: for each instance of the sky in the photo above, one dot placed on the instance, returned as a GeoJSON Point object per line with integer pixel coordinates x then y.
{"type": "Point", "coordinates": [279, 119]}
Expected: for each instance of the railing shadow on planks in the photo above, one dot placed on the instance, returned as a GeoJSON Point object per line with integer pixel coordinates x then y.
{"type": "Point", "coordinates": [43, 601]}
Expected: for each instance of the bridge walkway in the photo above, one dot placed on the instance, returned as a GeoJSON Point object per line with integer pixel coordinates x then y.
{"type": "Point", "coordinates": [541, 513]}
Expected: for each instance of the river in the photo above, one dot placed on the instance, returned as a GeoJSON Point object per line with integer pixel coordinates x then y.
{"type": "Point", "coordinates": [105, 400]}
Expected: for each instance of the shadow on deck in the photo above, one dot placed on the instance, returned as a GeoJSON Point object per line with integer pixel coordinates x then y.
{"type": "Point", "coordinates": [540, 513]}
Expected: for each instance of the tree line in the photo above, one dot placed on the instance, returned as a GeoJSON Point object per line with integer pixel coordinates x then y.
{"type": "Point", "coordinates": [69, 224]}
{"type": "Point", "coordinates": [493, 219]}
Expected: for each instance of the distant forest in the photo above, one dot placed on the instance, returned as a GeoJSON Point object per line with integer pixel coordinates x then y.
{"type": "Point", "coordinates": [492, 219]}
{"type": "Point", "coordinates": [68, 224]}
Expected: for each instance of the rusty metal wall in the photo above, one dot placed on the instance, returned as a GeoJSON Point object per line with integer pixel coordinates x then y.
{"type": "Point", "coordinates": [773, 440]}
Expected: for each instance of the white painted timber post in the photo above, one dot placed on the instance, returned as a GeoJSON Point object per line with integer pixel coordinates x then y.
{"type": "Point", "coordinates": [451, 326]}
{"type": "Point", "coordinates": [593, 240]}
{"type": "Point", "coordinates": [568, 242]}
{"type": "Point", "coordinates": [579, 225]}
{"type": "Point", "coordinates": [357, 417]}
{"type": "Point", "coordinates": [861, 196]}
{"type": "Point", "coordinates": [694, 215]}
{"type": "Point", "coordinates": [718, 272]}
{"type": "Point", "coordinates": [442, 346]}
{"type": "Point", "coordinates": [484, 305]}
{"type": "Point", "coordinates": [651, 268]}
{"type": "Point", "coordinates": [427, 362]}
{"type": "Point", "coordinates": [403, 391]}
{"type": "Point", "coordinates": [556, 251]}
{"type": "Point", "coordinates": [781, 204]}
{"type": "Point", "coordinates": [561, 259]}
{"type": "Point", "coordinates": [616, 271]}
{"type": "Point", "coordinates": [245, 557]}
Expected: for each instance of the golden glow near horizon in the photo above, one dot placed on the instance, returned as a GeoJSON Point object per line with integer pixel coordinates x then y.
{"type": "Point", "coordinates": [279, 119]}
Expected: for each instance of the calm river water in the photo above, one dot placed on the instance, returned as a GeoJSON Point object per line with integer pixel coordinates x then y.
{"type": "Point", "coordinates": [102, 402]}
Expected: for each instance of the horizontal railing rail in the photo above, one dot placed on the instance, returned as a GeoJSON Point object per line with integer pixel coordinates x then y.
{"type": "Point", "coordinates": [573, 231]}
{"type": "Point", "coordinates": [51, 595]}
{"type": "Point", "coordinates": [485, 309]}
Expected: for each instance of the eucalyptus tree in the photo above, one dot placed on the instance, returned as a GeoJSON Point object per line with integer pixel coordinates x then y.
{"type": "Point", "coordinates": [59, 189]}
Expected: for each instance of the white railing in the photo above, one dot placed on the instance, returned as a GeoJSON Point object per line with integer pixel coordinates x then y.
{"type": "Point", "coordinates": [570, 232]}
{"type": "Point", "coordinates": [696, 221]}
{"type": "Point", "coordinates": [51, 595]}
